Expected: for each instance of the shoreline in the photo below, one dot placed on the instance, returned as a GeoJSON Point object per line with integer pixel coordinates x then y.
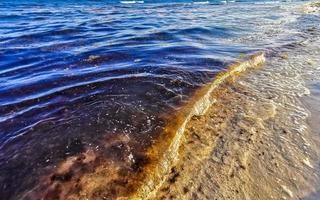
{"type": "Point", "coordinates": [197, 106]}
{"type": "Point", "coordinates": [307, 182]}
{"type": "Point", "coordinates": [246, 134]}
{"type": "Point", "coordinates": [262, 144]}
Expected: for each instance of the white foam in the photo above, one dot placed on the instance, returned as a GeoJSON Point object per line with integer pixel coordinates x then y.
{"type": "Point", "coordinates": [267, 2]}
{"type": "Point", "coordinates": [201, 2]}
{"type": "Point", "coordinates": [131, 2]}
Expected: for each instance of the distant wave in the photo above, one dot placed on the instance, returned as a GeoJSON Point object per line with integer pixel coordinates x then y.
{"type": "Point", "coordinates": [201, 2]}
{"type": "Point", "coordinates": [131, 2]}
{"type": "Point", "coordinates": [267, 2]}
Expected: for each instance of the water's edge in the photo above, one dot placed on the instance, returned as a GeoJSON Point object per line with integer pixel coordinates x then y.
{"type": "Point", "coordinates": [255, 141]}
{"type": "Point", "coordinates": [118, 133]}
{"type": "Point", "coordinates": [199, 104]}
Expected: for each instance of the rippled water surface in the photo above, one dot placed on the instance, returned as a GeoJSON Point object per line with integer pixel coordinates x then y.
{"type": "Point", "coordinates": [75, 75]}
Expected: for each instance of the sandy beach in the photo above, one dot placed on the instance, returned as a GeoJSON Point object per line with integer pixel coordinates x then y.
{"type": "Point", "coordinates": [260, 139]}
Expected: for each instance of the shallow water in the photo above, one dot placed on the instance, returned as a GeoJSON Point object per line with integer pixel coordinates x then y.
{"type": "Point", "coordinates": [103, 77]}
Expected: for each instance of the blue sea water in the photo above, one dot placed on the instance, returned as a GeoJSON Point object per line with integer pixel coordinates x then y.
{"type": "Point", "coordinates": [74, 72]}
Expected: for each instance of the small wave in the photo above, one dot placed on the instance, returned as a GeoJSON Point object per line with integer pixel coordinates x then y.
{"type": "Point", "coordinates": [266, 2]}
{"type": "Point", "coordinates": [201, 2]}
{"type": "Point", "coordinates": [131, 2]}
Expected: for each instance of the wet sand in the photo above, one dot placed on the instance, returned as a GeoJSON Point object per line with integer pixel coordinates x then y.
{"type": "Point", "coordinates": [259, 140]}
{"type": "Point", "coordinates": [312, 103]}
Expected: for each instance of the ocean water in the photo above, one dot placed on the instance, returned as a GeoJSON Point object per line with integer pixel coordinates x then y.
{"type": "Point", "coordinates": [105, 76]}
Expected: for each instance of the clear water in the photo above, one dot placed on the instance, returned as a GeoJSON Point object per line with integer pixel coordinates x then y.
{"type": "Point", "coordinates": [74, 74]}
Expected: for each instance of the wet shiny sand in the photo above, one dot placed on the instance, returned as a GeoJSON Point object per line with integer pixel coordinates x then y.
{"type": "Point", "coordinates": [259, 140]}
